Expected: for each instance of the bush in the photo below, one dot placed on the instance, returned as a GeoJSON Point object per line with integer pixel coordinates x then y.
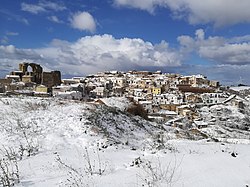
{"type": "Point", "coordinates": [158, 174]}
{"type": "Point", "coordinates": [92, 165]}
{"type": "Point", "coordinates": [9, 171]}
{"type": "Point", "coordinates": [138, 110]}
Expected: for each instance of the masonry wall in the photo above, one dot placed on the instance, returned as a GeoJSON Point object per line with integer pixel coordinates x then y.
{"type": "Point", "coordinates": [51, 79]}
{"type": "Point", "coordinates": [5, 81]}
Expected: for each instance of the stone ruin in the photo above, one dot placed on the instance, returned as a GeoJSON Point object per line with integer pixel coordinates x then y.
{"type": "Point", "coordinates": [37, 75]}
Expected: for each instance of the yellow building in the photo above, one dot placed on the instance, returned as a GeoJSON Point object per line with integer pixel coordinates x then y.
{"type": "Point", "coordinates": [41, 89]}
{"type": "Point", "coordinates": [27, 79]}
{"type": "Point", "coordinates": [156, 90]}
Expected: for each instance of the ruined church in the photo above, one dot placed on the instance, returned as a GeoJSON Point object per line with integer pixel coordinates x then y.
{"type": "Point", "coordinates": [37, 75]}
{"type": "Point", "coordinates": [30, 76]}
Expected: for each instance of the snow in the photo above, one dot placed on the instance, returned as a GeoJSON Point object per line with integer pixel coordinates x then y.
{"type": "Point", "coordinates": [119, 102]}
{"type": "Point", "coordinates": [200, 123]}
{"type": "Point", "coordinates": [240, 88]}
{"type": "Point", "coordinates": [12, 76]}
{"type": "Point", "coordinates": [145, 102]}
{"type": "Point", "coordinates": [65, 132]}
{"type": "Point", "coordinates": [167, 112]}
{"type": "Point", "coordinates": [229, 98]}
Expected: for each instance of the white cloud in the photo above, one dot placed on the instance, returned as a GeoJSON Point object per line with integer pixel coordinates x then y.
{"type": "Point", "coordinates": [12, 33]}
{"type": "Point", "coordinates": [52, 5]}
{"type": "Point", "coordinates": [148, 5]}
{"type": "Point", "coordinates": [42, 6]}
{"type": "Point", "coordinates": [95, 53]}
{"type": "Point", "coordinates": [83, 21]}
{"type": "Point", "coordinates": [230, 56]}
{"type": "Point", "coordinates": [14, 16]}
{"type": "Point", "coordinates": [218, 49]}
{"type": "Point", "coordinates": [24, 20]}
{"type": "Point", "coordinates": [54, 19]}
{"type": "Point", "coordinates": [34, 9]}
{"type": "Point", "coordinates": [91, 54]}
{"type": "Point", "coordinates": [218, 12]}
{"type": "Point", "coordinates": [4, 40]}
{"type": "Point", "coordinates": [200, 34]}
{"type": "Point", "coordinates": [10, 52]}
{"type": "Point", "coordinates": [10, 57]}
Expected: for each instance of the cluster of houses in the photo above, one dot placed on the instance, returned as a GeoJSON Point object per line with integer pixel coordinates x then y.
{"type": "Point", "coordinates": [162, 95]}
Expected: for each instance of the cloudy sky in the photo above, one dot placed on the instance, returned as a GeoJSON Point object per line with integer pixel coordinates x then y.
{"type": "Point", "coordinates": [81, 37]}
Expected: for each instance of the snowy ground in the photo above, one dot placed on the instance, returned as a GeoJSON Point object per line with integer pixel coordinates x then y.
{"type": "Point", "coordinates": [239, 88]}
{"type": "Point", "coordinates": [69, 143]}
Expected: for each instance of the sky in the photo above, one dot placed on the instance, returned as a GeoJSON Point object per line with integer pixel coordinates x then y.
{"type": "Point", "coordinates": [81, 37]}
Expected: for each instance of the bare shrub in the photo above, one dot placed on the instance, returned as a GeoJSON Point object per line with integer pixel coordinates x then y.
{"type": "Point", "coordinates": [9, 171]}
{"type": "Point", "coordinates": [75, 177]}
{"type": "Point", "coordinates": [138, 110]}
{"type": "Point", "coordinates": [155, 174]}
{"type": "Point", "coordinates": [29, 105]}
{"type": "Point", "coordinates": [92, 166]}
{"type": "Point", "coordinates": [27, 131]}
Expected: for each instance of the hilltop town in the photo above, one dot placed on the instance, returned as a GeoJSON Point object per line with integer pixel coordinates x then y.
{"type": "Point", "coordinates": [120, 124]}
{"type": "Point", "coordinates": [163, 96]}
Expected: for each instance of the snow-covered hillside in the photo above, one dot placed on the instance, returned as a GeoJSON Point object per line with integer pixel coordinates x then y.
{"type": "Point", "coordinates": [50, 142]}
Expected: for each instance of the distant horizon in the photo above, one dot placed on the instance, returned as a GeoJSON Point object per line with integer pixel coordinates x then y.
{"type": "Point", "coordinates": [64, 76]}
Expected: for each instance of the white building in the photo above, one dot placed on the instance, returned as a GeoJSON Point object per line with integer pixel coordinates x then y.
{"type": "Point", "coordinates": [73, 91]}
{"type": "Point", "coordinates": [213, 98]}
{"type": "Point", "coordinates": [99, 92]}
{"type": "Point", "coordinates": [168, 98]}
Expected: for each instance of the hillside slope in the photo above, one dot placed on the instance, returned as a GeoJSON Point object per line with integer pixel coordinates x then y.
{"type": "Point", "coordinates": [48, 142]}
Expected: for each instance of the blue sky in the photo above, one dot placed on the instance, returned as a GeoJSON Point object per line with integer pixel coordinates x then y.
{"type": "Point", "coordinates": [81, 37]}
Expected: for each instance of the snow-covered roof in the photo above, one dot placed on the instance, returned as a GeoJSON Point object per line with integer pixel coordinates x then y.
{"type": "Point", "coordinates": [76, 85]}
{"type": "Point", "coordinates": [113, 72]}
{"type": "Point", "coordinates": [24, 91]}
{"type": "Point", "coordinates": [199, 76]}
{"type": "Point", "coordinates": [184, 106]}
{"type": "Point", "coordinates": [41, 86]}
{"type": "Point", "coordinates": [138, 90]}
{"type": "Point", "coordinates": [62, 86]}
{"type": "Point", "coordinates": [81, 78]}
{"type": "Point", "coordinates": [200, 123]}
{"type": "Point", "coordinates": [12, 76]}
{"type": "Point", "coordinates": [99, 89]}
{"type": "Point", "coordinates": [155, 117]}
{"type": "Point", "coordinates": [167, 112]}
{"type": "Point", "coordinates": [18, 83]}
{"type": "Point", "coordinates": [145, 102]}
{"type": "Point", "coordinates": [66, 93]}
{"type": "Point", "coordinates": [229, 99]}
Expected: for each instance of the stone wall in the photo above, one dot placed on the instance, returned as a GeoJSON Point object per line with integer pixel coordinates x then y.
{"type": "Point", "coordinates": [37, 75]}
{"type": "Point", "coordinates": [51, 79]}
{"type": "Point", "coordinates": [5, 81]}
